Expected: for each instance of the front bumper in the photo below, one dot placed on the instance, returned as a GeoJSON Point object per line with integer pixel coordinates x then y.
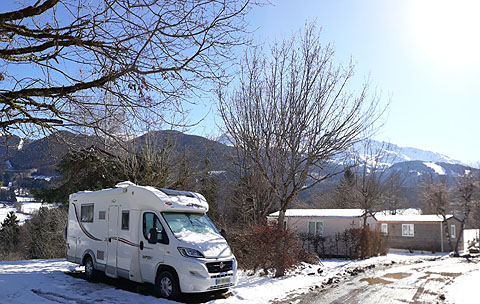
{"type": "Point", "coordinates": [194, 275]}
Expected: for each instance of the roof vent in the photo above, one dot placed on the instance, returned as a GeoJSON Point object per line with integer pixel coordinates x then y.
{"type": "Point", "coordinates": [124, 184]}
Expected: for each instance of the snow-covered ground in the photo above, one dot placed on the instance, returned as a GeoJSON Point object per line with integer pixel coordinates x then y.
{"type": "Point", "coordinates": [470, 235]}
{"type": "Point", "coordinates": [22, 199]}
{"type": "Point", "coordinates": [4, 211]}
{"type": "Point", "coordinates": [440, 280]}
{"type": "Point", "coordinates": [47, 281]}
{"type": "Point", "coordinates": [27, 207]}
{"type": "Point", "coordinates": [32, 207]}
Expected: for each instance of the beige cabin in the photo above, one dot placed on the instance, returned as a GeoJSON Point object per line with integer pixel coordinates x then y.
{"type": "Point", "coordinates": [322, 222]}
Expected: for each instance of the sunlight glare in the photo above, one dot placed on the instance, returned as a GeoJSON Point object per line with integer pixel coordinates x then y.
{"type": "Point", "coordinates": [449, 31]}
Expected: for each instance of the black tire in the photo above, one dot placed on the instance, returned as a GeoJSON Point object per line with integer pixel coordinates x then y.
{"type": "Point", "coordinates": [166, 285]}
{"type": "Point", "coordinates": [90, 272]}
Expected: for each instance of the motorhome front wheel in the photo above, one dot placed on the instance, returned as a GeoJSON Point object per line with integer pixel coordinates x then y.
{"type": "Point", "coordinates": [166, 285]}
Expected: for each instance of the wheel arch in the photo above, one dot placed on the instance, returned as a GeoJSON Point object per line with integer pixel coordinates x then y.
{"type": "Point", "coordinates": [89, 252]}
{"type": "Point", "coordinates": [171, 269]}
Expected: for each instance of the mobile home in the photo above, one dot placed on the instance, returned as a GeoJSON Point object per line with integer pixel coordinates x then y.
{"type": "Point", "coordinates": [149, 235]}
{"type": "Point", "coordinates": [421, 231]}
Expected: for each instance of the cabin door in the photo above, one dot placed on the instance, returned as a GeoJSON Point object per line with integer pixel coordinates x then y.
{"type": "Point", "coordinates": [151, 250]}
{"type": "Point", "coordinates": [112, 241]}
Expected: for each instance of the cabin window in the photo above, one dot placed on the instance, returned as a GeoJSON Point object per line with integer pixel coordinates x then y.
{"type": "Point", "coordinates": [384, 228]}
{"type": "Point", "coordinates": [150, 220]}
{"type": "Point", "coordinates": [125, 219]}
{"type": "Point", "coordinates": [408, 230]}
{"type": "Point", "coordinates": [452, 233]}
{"type": "Point", "coordinates": [86, 213]}
{"type": "Point", "coordinates": [315, 228]}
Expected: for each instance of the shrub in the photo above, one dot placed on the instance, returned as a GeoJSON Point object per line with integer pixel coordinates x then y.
{"type": "Point", "coordinates": [354, 243]}
{"type": "Point", "coordinates": [267, 248]}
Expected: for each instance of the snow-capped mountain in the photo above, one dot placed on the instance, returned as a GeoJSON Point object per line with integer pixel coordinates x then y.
{"type": "Point", "coordinates": [396, 154]}
{"type": "Point", "coordinates": [412, 164]}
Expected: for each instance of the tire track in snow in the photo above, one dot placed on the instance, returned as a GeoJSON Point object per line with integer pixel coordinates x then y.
{"type": "Point", "coordinates": [58, 298]}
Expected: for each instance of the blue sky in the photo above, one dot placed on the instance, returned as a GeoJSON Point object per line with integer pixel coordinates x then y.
{"type": "Point", "coordinates": [422, 55]}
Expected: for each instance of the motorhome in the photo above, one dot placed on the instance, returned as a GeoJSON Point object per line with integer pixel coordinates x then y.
{"type": "Point", "coordinates": [149, 235]}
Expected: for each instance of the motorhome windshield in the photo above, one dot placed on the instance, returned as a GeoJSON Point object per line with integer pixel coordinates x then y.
{"type": "Point", "coordinates": [194, 222]}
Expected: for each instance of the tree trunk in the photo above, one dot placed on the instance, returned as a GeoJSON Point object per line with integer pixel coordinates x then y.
{"type": "Point", "coordinates": [281, 219]}
{"type": "Point", "coordinates": [462, 227]}
{"type": "Point", "coordinates": [279, 257]}
{"type": "Point", "coordinates": [447, 233]}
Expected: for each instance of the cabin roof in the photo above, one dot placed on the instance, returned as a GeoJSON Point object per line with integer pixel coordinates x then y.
{"type": "Point", "coordinates": [349, 213]}
{"type": "Point", "coordinates": [411, 218]}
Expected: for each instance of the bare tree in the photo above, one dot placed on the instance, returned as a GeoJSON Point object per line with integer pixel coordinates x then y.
{"type": "Point", "coordinates": [468, 191]}
{"type": "Point", "coordinates": [345, 194]}
{"type": "Point", "coordinates": [394, 198]}
{"type": "Point", "coordinates": [436, 198]}
{"type": "Point", "coordinates": [253, 199]}
{"type": "Point", "coordinates": [63, 58]}
{"type": "Point", "coordinates": [292, 113]}
{"type": "Point", "coordinates": [158, 162]}
{"type": "Point", "coordinates": [367, 186]}
{"type": "Point", "coordinates": [371, 182]}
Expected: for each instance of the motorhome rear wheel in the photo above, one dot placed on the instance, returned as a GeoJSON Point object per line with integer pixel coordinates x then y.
{"type": "Point", "coordinates": [89, 269]}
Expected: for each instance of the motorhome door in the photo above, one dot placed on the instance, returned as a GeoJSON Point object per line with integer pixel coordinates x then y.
{"type": "Point", "coordinates": [153, 243]}
{"type": "Point", "coordinates": [112, 241]}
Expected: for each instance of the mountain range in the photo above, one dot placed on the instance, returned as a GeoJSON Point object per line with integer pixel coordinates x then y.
{"type": "Point", "coordinates": [41, 155]}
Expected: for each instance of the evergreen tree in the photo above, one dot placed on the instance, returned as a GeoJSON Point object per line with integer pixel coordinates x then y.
{"type": "Point", "coordinates": [44, 234]}
{"type": "Point", "coordinates": [8, 195]}
{"type": "Point", "coordinates": [87, 169]}
{"type": "Point", "coordinates": [9, 233]}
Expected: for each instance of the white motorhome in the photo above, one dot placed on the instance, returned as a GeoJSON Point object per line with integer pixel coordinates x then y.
{"type": "Point", "coordinates": [149, 235]}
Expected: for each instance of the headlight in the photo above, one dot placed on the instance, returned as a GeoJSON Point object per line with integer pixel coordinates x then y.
{"type": "Point", "coordinates": [189, 252]}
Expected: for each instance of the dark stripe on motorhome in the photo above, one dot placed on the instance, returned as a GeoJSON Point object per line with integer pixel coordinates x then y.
{"type": "Point", "coordinates": [83, 228]}
{"type": "Point", "coordinates": [127, 242]}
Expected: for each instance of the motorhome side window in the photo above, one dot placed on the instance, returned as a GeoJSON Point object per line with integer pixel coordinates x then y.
{"type": "Point", "coordinates": [125, 219]}
{"type": "Point", "coordinates": [150, 220]}
{"type": "Point", "coordinates": [86, 213]}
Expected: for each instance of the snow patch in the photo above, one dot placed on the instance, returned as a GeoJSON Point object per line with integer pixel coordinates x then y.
{"type": "Point", "coordinates": [209, 243]}
{"type": "Point", "coordinates": [25, 199]}
{"type": "Point", "coordinates": [44, 177]}
{"type": "Point", "coordinates": [409, 211]}
{"type": "Point", "coordinates": [321, 213]}
{"type": "Point", "coordinates": [5, 210]}
{"type": "Point", "coordinates": [411, 218]}
{"type": "Point", "coordinates": [20, 144]}
{"type": "Point", "coordinates": [405, 157]}
{"type": "Point", "coordinates": [437, 168]}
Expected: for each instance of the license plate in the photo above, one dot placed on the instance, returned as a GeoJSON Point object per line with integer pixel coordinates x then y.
{"type": "Point", "coordinates": [222, 281]}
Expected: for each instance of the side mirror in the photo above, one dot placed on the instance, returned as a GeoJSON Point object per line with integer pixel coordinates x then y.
{"type": "Point", "coordinates": [152, 236]}
{"type": "Point", "coordinates": [223, 233]}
